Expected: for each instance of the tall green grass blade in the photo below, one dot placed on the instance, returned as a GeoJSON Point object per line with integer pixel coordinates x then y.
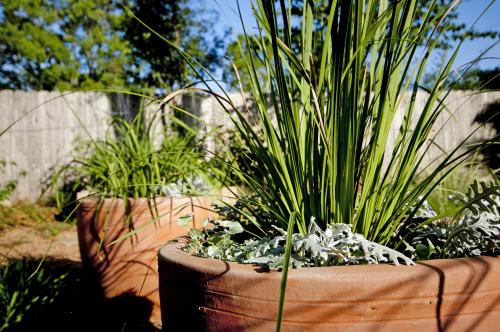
{"type": "Point", "coordinates": [284, 273]}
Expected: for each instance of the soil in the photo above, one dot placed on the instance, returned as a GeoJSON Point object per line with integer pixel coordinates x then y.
{"type": "Point", "coordinates": [29, 242]}
{"type": "Point", "coordinates": [31, 232]}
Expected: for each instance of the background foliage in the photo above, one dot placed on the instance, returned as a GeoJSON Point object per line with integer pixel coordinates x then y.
{"type": "Point", "coordinates": [83, 44]}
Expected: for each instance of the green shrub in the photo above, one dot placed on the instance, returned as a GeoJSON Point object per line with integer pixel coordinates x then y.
{"type": "Point", "coordinates": [8, 188]}
{"type": "Point", "coordinates": [131, 163]}
{"type": "Point", "coordinates": [24, 296]}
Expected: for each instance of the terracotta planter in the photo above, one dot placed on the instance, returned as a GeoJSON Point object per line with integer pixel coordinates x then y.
{"type": "Point", "coordinates": [199, 294]}
{"type": "Point", "coordinates": [129, 267]}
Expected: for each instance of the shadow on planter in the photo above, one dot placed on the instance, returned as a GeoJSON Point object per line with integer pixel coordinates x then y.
{"type": "Point", "coordinates": [477, 270]}
{"type": "Point", "coordinates": [439, 295]}
{"type": "Point", "coordinates": [61, 298]}
{"type": "Point", "coordinates": [119, 242]}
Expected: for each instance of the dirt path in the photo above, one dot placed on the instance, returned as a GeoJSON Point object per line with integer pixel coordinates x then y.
{"type": "Point", "coordinates": [23, 241]}
{"type": "Point", "coordinates": [36, 235]}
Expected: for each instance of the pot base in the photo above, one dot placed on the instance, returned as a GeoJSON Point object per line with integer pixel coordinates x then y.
{"type": "Point", "coordinates": [202, 294]}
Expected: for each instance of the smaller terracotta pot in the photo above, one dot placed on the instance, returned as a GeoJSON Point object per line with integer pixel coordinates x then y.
{"type": "Point", "coordinates": [129, 267]}
{"type": "Point", "coordinates": [200, 294]}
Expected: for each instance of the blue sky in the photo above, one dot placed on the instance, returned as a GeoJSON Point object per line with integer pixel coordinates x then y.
{"type": "Point", "coordinates": [468, 12]}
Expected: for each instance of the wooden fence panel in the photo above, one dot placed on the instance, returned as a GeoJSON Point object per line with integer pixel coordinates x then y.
{"type": "Point", "coordinates": [51, 123]}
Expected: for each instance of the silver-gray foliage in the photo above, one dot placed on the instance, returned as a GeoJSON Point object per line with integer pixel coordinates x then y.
{"type": "Point", "coordinates": [474, 230]}
{"type": "Point", "coordinates": [336, 245]}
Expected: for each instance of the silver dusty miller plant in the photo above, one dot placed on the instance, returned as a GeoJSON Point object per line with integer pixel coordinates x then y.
{"type": "Point", "coordinates": [474, 230]}
{"type": "Point", "coordinates": [334, 246]}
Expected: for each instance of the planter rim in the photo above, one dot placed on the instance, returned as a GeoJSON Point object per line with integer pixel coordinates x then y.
{"type": "Point", "coordinates": [86, 196]}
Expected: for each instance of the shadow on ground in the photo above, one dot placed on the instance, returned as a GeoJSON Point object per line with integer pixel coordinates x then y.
{"type": "Point", "coordinates": [59, 297]}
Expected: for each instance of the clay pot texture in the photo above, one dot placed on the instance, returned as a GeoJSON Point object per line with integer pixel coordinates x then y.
{"type": "Point", "coordinates": [130, 267]}
{"type": "Point", "coordinates": [200, 294]}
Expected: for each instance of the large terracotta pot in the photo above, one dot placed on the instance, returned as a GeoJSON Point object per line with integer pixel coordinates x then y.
{"type": "Point", "coordinates": [199, 294]}
{"type": "Point", "coordinates": [129, 266]}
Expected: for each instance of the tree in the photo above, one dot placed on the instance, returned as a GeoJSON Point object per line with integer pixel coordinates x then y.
{"type": "Point", "coordinates": [156, 64]}
{"type": "Point", "coordinates": [483, 79]}
{"type": "Point", "coordinates": [64, 45]}
{"type": "Point", "coordinates": [94, 44]}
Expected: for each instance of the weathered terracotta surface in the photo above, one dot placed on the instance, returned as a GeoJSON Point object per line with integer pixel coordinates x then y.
{"type": "Point", "coordinates": [199, 294]}
{"type": "Point", "coordinates": [130, 266]}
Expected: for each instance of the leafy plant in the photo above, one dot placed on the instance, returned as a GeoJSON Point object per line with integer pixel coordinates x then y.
{"type": "Point", "coordinates": [458, 181]}
{"type": "Point", "coordinates": [323, 145]}
{"type": "Point", "coordinates": [478, 199]}
{"type": "Point", "coordinates": [131, 163]}
{"type": "Point", "coordinates": [8, 188]}
{"type": "Point", "coordinates": [474, 230]}
{"type": "Point", "coordinates": [22, 297]}
{"type": "Point", "coordinates": [337, 245]}
{"type": "Point", "coordinates": [324, 155]}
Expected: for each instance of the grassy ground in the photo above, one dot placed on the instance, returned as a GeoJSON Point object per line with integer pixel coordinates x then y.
{"type": "Point", "coordinates": [23, 214]}
{"type": "Point", "coordinates": [55, 295]}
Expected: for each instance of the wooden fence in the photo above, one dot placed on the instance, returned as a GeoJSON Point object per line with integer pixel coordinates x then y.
{"type": "Point", "coordinates": [45, 126]}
